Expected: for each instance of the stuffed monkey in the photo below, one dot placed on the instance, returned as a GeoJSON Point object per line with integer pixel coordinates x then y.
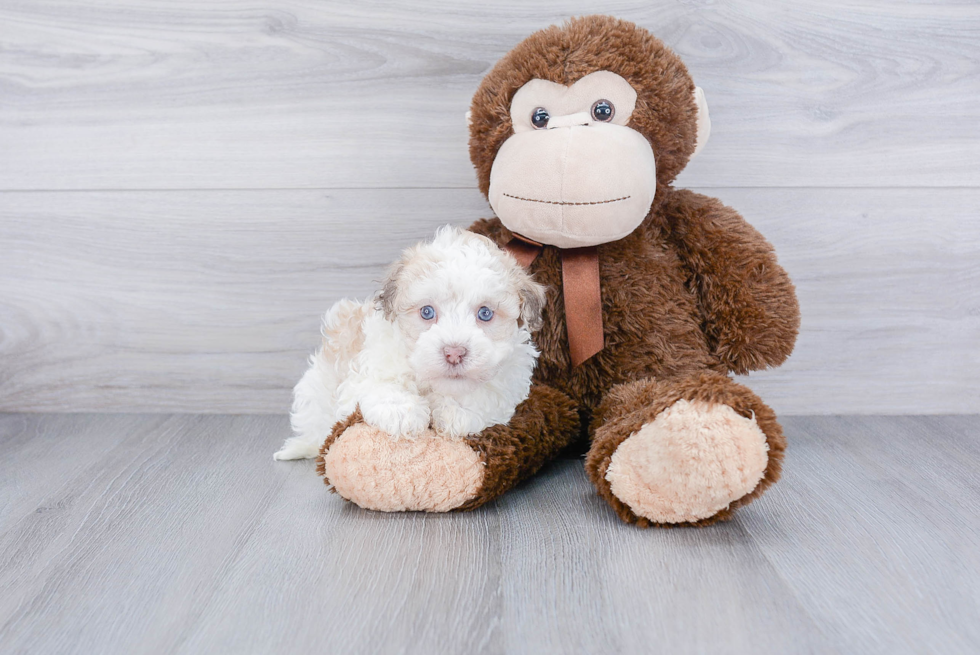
{"type": "Point", "coordinates": [656, 296]}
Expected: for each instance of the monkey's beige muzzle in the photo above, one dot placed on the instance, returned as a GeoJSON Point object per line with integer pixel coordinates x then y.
{"type": "Point", "coordinates": [576, 183]}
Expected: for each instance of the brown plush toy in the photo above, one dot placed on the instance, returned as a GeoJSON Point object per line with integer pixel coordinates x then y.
{"type": "Point", "coordinates": [656, 295]}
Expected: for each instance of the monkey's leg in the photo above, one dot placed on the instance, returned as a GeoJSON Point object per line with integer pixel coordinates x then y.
{"type": "Point", "coordinates": [437, 474]}
{"type": "Point", "coordinates": [683, 451]}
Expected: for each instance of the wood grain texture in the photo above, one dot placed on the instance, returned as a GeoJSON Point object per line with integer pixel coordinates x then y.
{"type": "Point", "coordinates": [687, 591]}
{"type": "Point", "coordinates": [888, 503]}
{"type": "Point", "coordinates": [209, 301]}
{"type": "Point", "coordinates": [114, 94]}
{"type": "Point", "coordinates": [239, 166]}
{"type": "Point", "coordinates": [183, 536]}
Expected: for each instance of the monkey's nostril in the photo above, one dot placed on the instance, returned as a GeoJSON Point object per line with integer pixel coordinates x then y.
{"type": "Point", "coordinates": [454, 354]}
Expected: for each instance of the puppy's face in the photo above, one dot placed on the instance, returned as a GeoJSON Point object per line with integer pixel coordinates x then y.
{"type": "Point", "coordinates": [462, 305]}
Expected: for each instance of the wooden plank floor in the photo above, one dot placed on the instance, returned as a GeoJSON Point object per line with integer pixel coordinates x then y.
{"type": "Point", "coordinates": [179, 534]}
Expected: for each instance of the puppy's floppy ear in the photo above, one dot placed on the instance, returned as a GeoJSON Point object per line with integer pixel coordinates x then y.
{"type": "Point", "coordinates": [533, 297]}
{"type": "Point", "coordinates": [387, 298]}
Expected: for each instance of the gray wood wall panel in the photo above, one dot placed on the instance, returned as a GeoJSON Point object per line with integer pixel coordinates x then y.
{"type": "Point", "coordinates": [185, 186]}
{"type": "Point", "coordinates": [189, 94]}
{"type": "Point", "coordinates": [208, 301]}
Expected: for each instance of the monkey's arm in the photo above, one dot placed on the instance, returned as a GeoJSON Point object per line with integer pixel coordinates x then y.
{"type": "Point", "coordinates": [437, 474]}
{"type": "Point", "coordinates": [747, 301]}
{"type": "Point", "coordinates": [541, 427]}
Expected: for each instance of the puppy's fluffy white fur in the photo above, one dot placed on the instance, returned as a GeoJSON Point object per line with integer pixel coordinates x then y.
{"type": "Point", "coordinates": [409, 368]}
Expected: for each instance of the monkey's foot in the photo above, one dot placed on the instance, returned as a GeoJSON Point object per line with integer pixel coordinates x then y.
{"type": "Point", "coordinates": [421, 473]}
{"type": "Point", "coordinates": [694, 460]}
{"type": "Point", "coordinates": [683, 451]}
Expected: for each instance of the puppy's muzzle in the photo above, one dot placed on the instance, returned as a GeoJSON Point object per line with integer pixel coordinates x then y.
{"type": "Point", "coordinates": [454, 354]}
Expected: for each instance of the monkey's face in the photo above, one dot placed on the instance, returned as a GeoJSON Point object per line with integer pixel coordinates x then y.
{"type": "Point", "coordinates": [573, 174]}
{"type": "Point", "coordinates": [575, 128]}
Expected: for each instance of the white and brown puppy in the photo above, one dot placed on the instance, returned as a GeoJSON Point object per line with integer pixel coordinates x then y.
{"type": "Point", "coordinates": [446, 343]}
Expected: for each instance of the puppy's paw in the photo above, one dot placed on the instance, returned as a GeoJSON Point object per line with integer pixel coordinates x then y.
{"type": "Point", "coordinates": [451, 420]}
{"type": "Point", "coordinates": [297, 448]}
{"type": "Point", "coordinates": [398, 417]}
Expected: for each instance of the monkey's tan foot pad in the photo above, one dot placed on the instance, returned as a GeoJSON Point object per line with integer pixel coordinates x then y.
{"type": "Point", "coordinates": [690, 463]}
{"type": "Point", "coordinates": [424, 473]}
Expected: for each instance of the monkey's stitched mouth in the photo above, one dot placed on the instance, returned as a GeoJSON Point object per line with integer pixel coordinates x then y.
{"type": "Point", "coordinates": [559, 202]}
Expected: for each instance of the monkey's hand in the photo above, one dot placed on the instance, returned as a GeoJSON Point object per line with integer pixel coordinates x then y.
{"type": "Point", "coordinates": [747, 300]}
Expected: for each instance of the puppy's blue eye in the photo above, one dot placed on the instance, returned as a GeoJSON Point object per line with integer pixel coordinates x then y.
{"type": "Point", "coordinates": [428, 312]}
{"type": "Point", "coordinates": [485, 314]}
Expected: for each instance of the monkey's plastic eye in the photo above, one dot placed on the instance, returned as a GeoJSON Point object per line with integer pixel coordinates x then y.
{"type": "Point", "coordinates": [484, 314]}
{"type": "Point", "coordinates": [603, 111]}
{"type": "Point", "coordinates": [427, 313]}
{"type": "Point", "coordinates": [539, 118]}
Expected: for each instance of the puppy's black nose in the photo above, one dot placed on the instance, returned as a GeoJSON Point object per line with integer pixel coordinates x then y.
{"type": "Point", "coordinates": [454, 354]}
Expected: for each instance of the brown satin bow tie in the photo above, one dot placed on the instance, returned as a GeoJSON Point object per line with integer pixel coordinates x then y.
{"type": "Point", "coordinates": [581, 291]}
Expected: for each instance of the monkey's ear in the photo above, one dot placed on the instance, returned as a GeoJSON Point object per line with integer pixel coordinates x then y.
{"type": "Point", "coordinates": [387, 298]}
{"type": "Point", "coordinates": [704, 121]}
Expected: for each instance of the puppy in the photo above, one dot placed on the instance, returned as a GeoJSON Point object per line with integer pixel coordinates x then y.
{"type": "Point", "coordinates": [446, 343]}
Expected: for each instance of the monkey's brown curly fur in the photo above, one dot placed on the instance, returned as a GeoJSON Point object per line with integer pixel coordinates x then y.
{"type": "Point", "coordinates": [543, 425]}
{"type": "Point", "coordinates": [338, 429]}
